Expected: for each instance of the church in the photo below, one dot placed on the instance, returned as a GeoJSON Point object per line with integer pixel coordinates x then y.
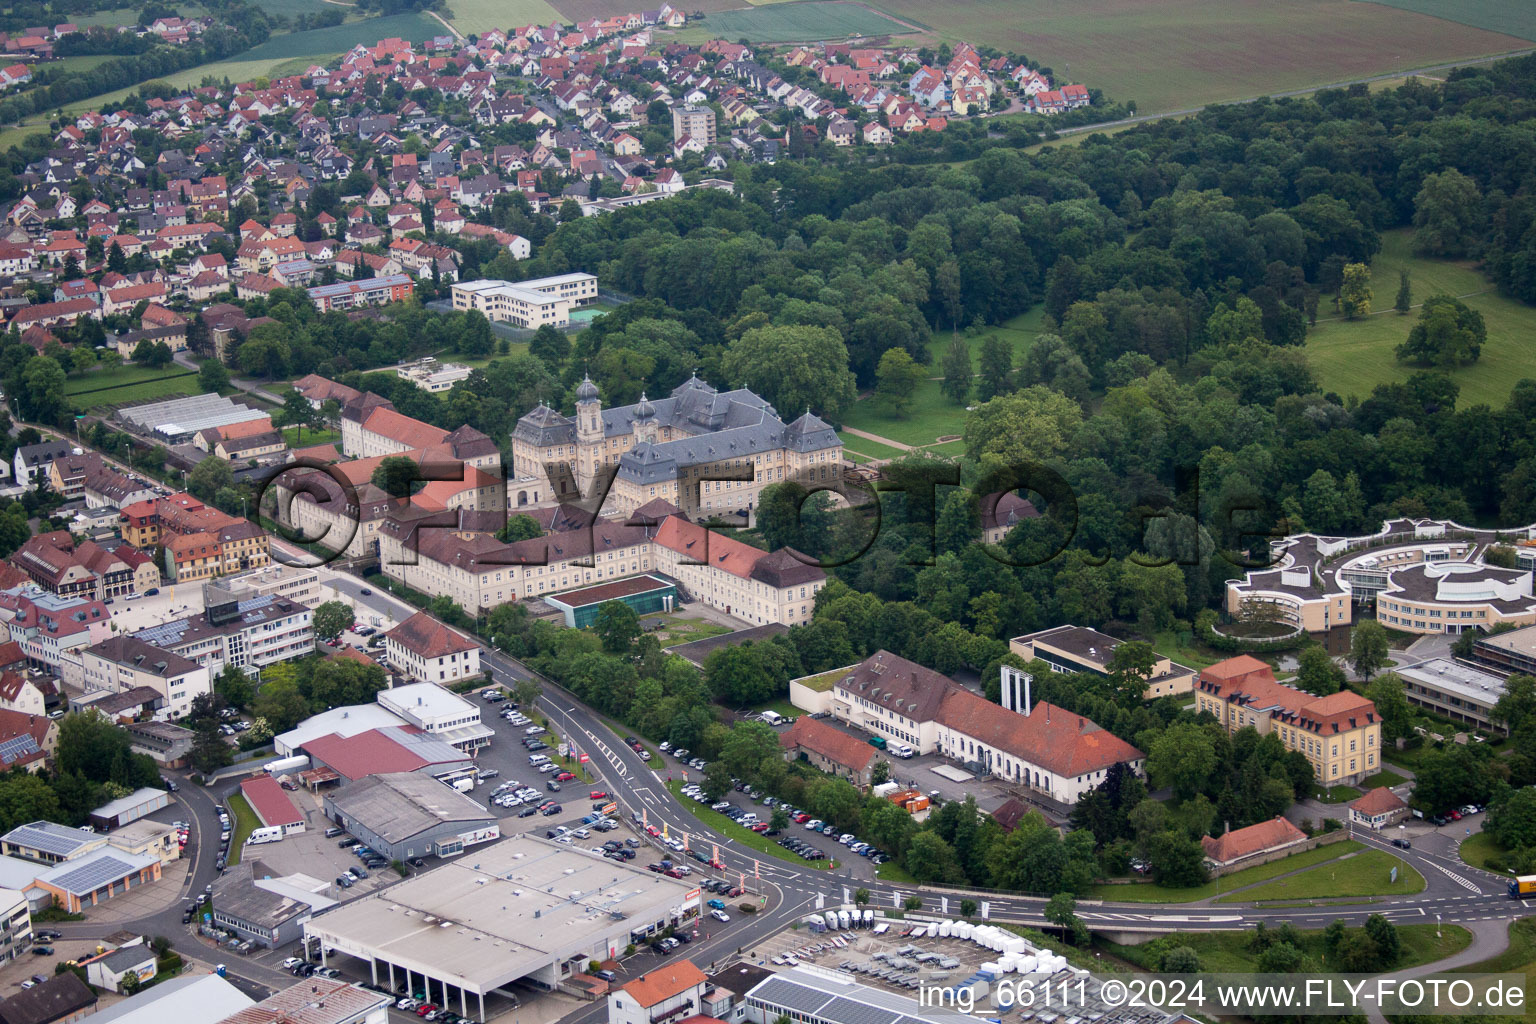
{"type": "Point", "coordinates": [707, 452]}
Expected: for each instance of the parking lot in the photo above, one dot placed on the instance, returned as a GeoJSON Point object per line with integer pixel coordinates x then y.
{"type": "Point", "coordinates": [886, 960]}
{"type": "Point", "coordinates": [310, 853]}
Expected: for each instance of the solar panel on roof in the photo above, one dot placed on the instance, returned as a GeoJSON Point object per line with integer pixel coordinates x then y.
{"type": "Point", "coordinates": [16, 747]}
{"type": "Point", "coordinates": [783, 992]}
{"type": "Point", "coordinates": [57, 840]}
{"type": "Point", "coordinates": [93, 874]}
{"type": "Point", "coordinates": [849, 1011]}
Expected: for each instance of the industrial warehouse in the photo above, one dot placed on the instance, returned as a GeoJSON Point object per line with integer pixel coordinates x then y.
{"type": "Point", "coordinates": [523, 909]}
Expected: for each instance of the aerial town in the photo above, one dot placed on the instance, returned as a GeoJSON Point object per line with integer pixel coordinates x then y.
{"type": "Point", "coordinates": [650, 519]}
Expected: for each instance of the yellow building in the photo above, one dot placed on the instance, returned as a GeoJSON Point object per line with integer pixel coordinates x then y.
{"type": "Point", "coordinates": [1340, 734]}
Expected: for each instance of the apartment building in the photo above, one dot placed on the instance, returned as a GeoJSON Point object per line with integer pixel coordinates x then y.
{"type": "Point", "coordinates": [50, 628]}
{"type": "Point", "coordinates": [237, 629]}
{"type": "Point", "coordinates": [1340, 734]}
{"type": "Point", "coordinates": [423, 648]}
{"type": "Point", "coordinates": [697, 123]}
{"type": "Point", "coordinates": [373, 291]}
{"type": "Point", "coordinates": [370, 427]}
{"type": "Point", "coordinates": [540, 302]}
{"type": "Point", "coordinates": [122, 663]}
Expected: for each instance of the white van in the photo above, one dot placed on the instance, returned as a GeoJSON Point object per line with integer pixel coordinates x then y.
{"type": "Point", "coordinates": [900, 750]}
{"type": "Point", "coordinates": [772, 718]}
{"type": "Point", "coordinates": [268, 834]}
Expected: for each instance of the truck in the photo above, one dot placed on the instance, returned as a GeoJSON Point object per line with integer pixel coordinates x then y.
{"type": "Point", "coordinates": [286, 765]}
{"type": "Point", "coordinates": [1523, 886]}
{"type": "Point", "coordinates": [267, 834]}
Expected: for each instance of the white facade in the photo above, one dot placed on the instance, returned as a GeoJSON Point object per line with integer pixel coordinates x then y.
{"type": "Point", "coordinates": [441, 714]}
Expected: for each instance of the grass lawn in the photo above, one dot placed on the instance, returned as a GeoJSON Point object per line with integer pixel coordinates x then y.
{"type": "Point", "coordinates": [681, 630]}
{"type": "Point", "coordinates": [475, 16]}
{"type": "Point", "coordinates": [128, 383]}
{"type": "Point", "coordinates": [244, 69]}
{"type": "Point", "coordinates": [1477, 848]}
{"type": "Point", "coordinates": [746, 837]}
{"type": "Point", "coordinates": [823, 682]}
{"type": "Point", "coordinates": [99, 378]}
{"type": "Point", "coordinates": [1181, 648]}
{"type": "Point", "coordinates": [1364, 874]}
{"type": "Point", "coordinates": [891, 871]}
{"type": "Point", "coordinates": [855, 447]}
{"type": "Point", "coordinates": [1148, 892]}
{"type": "Point", "coordinates": [1382, 778]}
{"type": "Point", "coordinates": [245, 822]}
{"type": "Point", "coordinates": [1335, 794]}
{"type": "Point", "coordinates": [1228, 952]}
{"type": "Point", "coordinates": [1352, 357]}
{"type": "Point", "coordinates": [932, 415]}
{"type": "Point", "coordinates": [341, 38]}
{"type": "Point", "coordinates": [310, 438]}
{"type": "Point", "coordinates": [783, 707]}
{"type": "Point", "coordinates": [1145, 52]}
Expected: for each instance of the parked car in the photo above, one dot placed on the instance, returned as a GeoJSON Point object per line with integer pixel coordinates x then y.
{"type": "Point", "coordinates": [1402, 844]}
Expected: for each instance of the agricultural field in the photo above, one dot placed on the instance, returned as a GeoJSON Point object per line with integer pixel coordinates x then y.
{"type": "Point", "coordinates": [1152, 53]}
{"type": "Point", "coordinates": [341, 38]}
{"type": "Point", "coordinates": [475, 16]}
{"type": "Point", "coordinates": [572, 11]}
{"type": "Point", "coordinates": [130, 15]}
{"type": "Point", "coordinates": [798, 22]}
{"type": "Point", "coordinates": [1350, 357]}
{"type": "Point", "coordinates": [1513, 19]}
{"type": "Point", "coordinates": [235, 70]}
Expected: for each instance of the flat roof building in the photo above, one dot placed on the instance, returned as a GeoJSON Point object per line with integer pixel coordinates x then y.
{"type": "Point", "coordinates": [343, 721]}
{"type": "Point", "coordinates": [403, 815]}
{"type": "Point", "coordinates": [523, 909]}
{"type": "Point", "coordinates": [130, 808]}
{"type": "Point", "coordinates": [1072, 649]}
{"type": "Point", "coordinates": [440, 713]}
{"type": "Point", "coordinates": [48, 842]}
{"type": "Point", "coordinates": [1508, 652]}
{"type": "Point", "coordinates": [189, 999]}
{"type": "Point", "coordinates": [268, 918]}
{"type": "Point", "coordinates": [97, 877]}
{"type": "Point", "coordinates": [527, 304]}
{"type": "Point", "coordinates": [645, 594]}
{"type": "Point", "coordinates": [1453, 690]}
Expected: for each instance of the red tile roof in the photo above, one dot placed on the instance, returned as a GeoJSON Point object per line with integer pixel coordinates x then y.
{"type": "Point", "coordinates": [374, 752]}
{"type": "Point", "coordinates": [831, 743]}
{"type": "Point", "coordinates": [270, 801]}
{"type": "Point", "coordinates": [1245, 842]}
{"type": "Point", "coordinates": [1380, 800]}
{"type": "Point", "coordinates": [422, 634]}
{"type": "Point", "coordinates": [665, 982]}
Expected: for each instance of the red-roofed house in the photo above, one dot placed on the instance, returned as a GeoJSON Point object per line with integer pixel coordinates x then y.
{"type": "Point", "coordinates": [423, 648]}
{"type": "Point", "coordinates": [1378, 808]}
{"type": "Point", "coordinates": [1340, 734]}
{"type": "Point", "coordinates": [668, 993]}
{"type": "Point", "coordinates": [829, 749]}
{"type": "Point", "coordinates": [1041, 746]}
{"type": "Point", "coordinates": [1256, 844]}
{"type": "Point", "coordinates": [270, 802]}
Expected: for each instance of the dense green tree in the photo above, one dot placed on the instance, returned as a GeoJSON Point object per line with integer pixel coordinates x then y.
{"type": "Point", "coordinates": [617, 625]}
{"type": "Point", "coordinates": [1316, 672]}
{"type": "Point", "coordinates": [332, 618]}
{"type": "Point", "coordinates": [1368, 648]}
{"type": "Point", "coordinates": [795, 368]}
{"type": "Point", "coordinates": [1447, 334]}
{"type": "Point", "coordinates": [1448, 216]}
{"type": "Point", "coordinates": [396, 476]}
{"type": "Point", "coordinates": [898, 378]}
{"type": "Point", "coordinates": [956, 365]}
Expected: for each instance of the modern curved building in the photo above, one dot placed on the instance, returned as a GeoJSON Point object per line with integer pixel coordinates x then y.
{"type": "Point", "coordinates": [1420, 575]}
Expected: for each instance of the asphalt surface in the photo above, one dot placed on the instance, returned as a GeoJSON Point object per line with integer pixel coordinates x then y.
{"type": "Point", "coordinates": [789, 890]}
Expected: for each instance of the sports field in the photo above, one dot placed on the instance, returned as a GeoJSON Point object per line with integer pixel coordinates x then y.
{"type": "Point", "coordinates": [474, 16]}
{"type": "Point", "coordinates": [796, 22]}
{"type": "Point", "coordinates": [1178, 54]}
{"type": "Point", "coordinates": [1352, 357]}
{"type": "Point", "coordinates": [1511, 18]}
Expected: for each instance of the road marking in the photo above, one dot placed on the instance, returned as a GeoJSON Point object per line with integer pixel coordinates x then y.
{"type": "Point", "coordinates": [1465, 883]}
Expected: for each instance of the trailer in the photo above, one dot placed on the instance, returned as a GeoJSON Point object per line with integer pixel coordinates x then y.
{"type": "Point", "coordinates": [286, 765]}
{"type": "Point", "coordinates": [1521, 887]}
